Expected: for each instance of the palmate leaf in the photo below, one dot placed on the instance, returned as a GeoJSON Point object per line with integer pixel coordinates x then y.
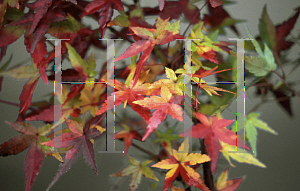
{"type": "Point", "coordinates": [137, 169]}
{"type": "Point", "coordinates": [212, 130]}
{"type": "Point", "coordinates": [80, 139]}
{"type": "Point", "coordinates": [262, 65]}
{"type": "Point", "coordinates": [164, 105]}
{"type": "Point", "coordinates": [106, 11]}
{"type": "Point", "coordinates": [227, 185]}
{"type": "Point", "coordinates": [239, 155]}
{"type": "Point", "coordinates": [178, 163]}
{"type": "Point", "coordinates": [129, 94]}
{"type": "Point", "coordinates": [127, 135]}
{"type": "Point", "coordinates": [267, 29]}
{"type": "Point", "coordinates": [251, 122]}
{"type": "Point", "coordinates": [165, 33]}
{"type": "Point", "coordinates": [31, 138]}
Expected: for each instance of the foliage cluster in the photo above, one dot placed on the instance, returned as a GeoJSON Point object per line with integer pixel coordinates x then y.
{"type": "Point", "coordinates": [153, 85]}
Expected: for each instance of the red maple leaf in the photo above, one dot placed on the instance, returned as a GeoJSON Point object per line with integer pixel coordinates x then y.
{"type": "Point", "coordinates": [164, 105]}
{"type": "Point", "coordinates": [282, 31]}
{"type": "Point", "coordinates": [53, 15]}
{"type": "Point", "coordinates": [106, 7]}
{"type": "Point", "coordinates": [25, 97]}
{"type": "Point", "coordinates": [127, 135]}
{"type": "Point", "coordinates": [79, 139]}
{"type": "Point", "coordinates": [162, 37]}
{"type": "Point", "coordinates": [217, 15]}
{"type": "Point", "coordinates": [227, 185]}
{"type": "Point", "coordinates": [34, 157]}
{"type": "Point", "coordinates": [129, 94]}
{"type": "Point", "coordinates": [178, 163]}
{"type": "Point", "coordinates": [212, 130]}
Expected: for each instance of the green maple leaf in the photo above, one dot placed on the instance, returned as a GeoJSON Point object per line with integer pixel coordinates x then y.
{"type": "Point", "coordinates": [167, 137]}
{"type": "Point", "coordinates": [262, 65]}
{"type": "Point", "coordinates": [137, 170]}
{"type": "Point", "coordinates": [267, 29]}
{"type": "Point", "coordinates": [251, 122]}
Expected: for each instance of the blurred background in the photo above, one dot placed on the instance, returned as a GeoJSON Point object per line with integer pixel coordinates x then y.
{"type": "Point", "coordinates": [279, 153]}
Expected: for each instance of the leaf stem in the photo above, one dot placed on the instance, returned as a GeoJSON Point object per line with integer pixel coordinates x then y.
{"type": "Point", "coordinates": [287, 85]}
{"type": "Point", "coordinates": [11, 103]}
{"type": "Point", "coordinates": [148, 152]}
{"type": "Point", "coordinates": [279, 62]}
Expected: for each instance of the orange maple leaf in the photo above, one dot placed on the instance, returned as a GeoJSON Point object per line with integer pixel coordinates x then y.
{"type": "Point", "coordinates": [164, 105]}
{"type": "Point", "coordinates": [129, 94]}
{"type": "Point", "coordinates": [178, 163]}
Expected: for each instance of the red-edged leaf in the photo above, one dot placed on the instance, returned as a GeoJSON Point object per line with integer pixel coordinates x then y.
{"type": "Point", "coordinates": [212, 130]}
{"type": "Point", "coordinates": [164, 105]}
{"type": "Point", "coordinates": [135, 48]}
{"type": "Point", "coordinates": [282, 31]}
{"type": "Point", "coordinates": [207, 53]}
{"type": "Point", "coordinates": [130, 94]}
{"type": "Point", "coordinates": [33, 163]}
{"type": "Point", "coordinates": [82, 145]}
{"type": "Point", "coordinates": [142, 61]}
{"type": "Point", "coordinates": [178, 163]}
{"type": "Point", "coordinates": [26, 95]}
{"type": "Point", "coordinates": [215, 3]}
{"type": "Point", "coordinates": [227, 185]}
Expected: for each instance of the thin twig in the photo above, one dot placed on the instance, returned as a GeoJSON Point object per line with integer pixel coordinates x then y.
{"type": "Point", "coordinates": [194, 17]}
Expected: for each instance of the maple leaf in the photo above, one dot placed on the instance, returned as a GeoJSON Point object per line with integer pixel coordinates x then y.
{"type": "Point", "coordinates": [127, 135]}
{"type": "Point", "coordinates": [53, 15]}
{"type": "Point", "coordinates": [79, 139]}
{"type": "Point", "coordinates": [166, 137]}
{"type": "Point", "coordinates": [201, 73]}
{"type": "Point", "coordinates": [137, 170]}
{"type": "Point", "coordinates": [282, 31]}
{"type": "Point", "coordinates": [178, 163]}
{"type": "Point", "coordinates": [31, 138]}
{"type": "Point", "coordinates": [206, 47]}
{"type": "Point", "coordinates": [239, 155]}
{"type": "Point", "coordinates": [106, 7]}
{"type": "Point", "coordinates": [251, 132]}
{"type": "Point", "coordinates": [262, 65]}
{"type": "Point", "coordinates": [89, 101]}
{"type": "Point", "coordinates": [212, 130]}
{"type": "Point", "coordinates": [9, 35]}
{"type": "Point", "coordinates": [166, 104]}
{"type": "Point", "coordinates": [165, 33]}
{"type": "Point", "coordinates": [128, 94]}
{"type": "Point", "coordinates": [227, 185]}
{"type": "Point", "coordinates": [218, 18]}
